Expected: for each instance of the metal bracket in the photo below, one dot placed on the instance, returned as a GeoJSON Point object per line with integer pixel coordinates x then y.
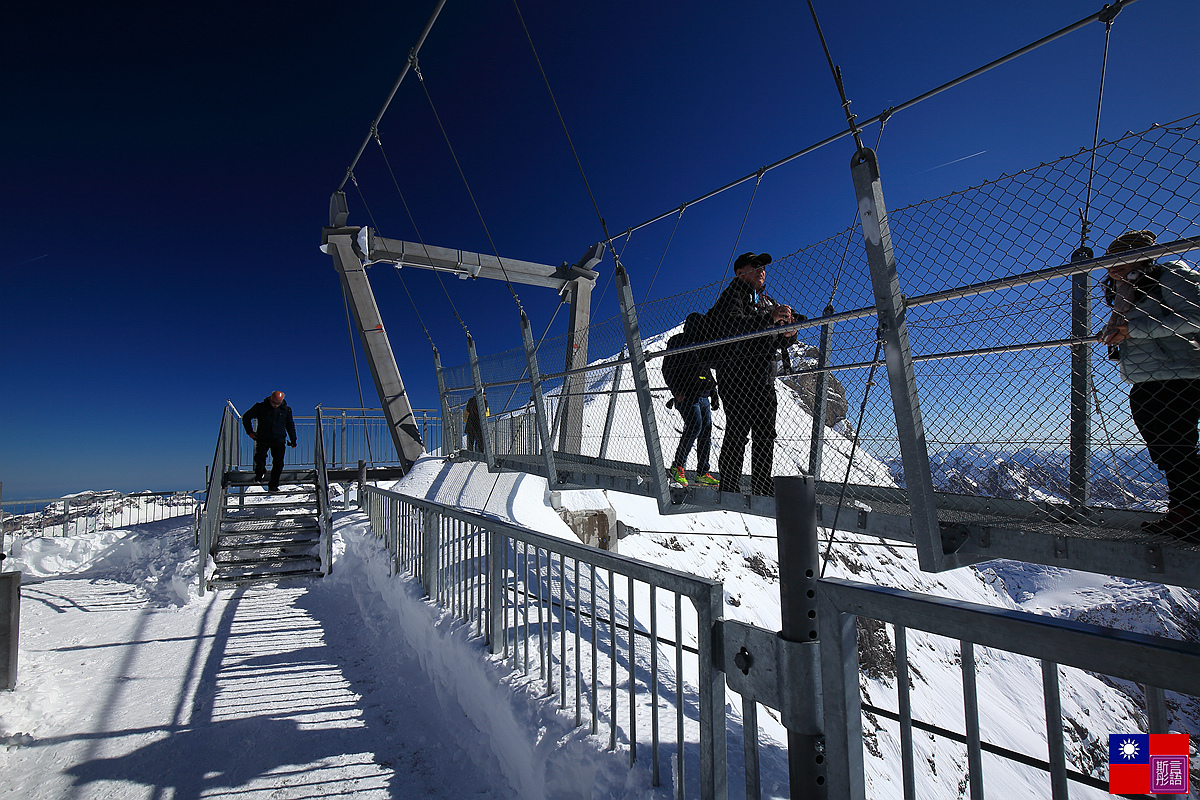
{"type": "Point", "coordinates": [1154, 558]}
{"type": "Point", "coordinates": [762, 665]}
{"type": "Point", "coordinates": [954, 536]}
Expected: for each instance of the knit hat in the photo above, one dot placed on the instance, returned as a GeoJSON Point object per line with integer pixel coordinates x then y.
{"type": "Point", "coordinates": [1131, 240]}
{"type": "Point", "coordinates": [751, 260]}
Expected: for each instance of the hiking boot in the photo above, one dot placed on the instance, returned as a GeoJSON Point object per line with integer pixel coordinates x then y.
{"type": "Point", "coordinates": [677, 476]}
{"type": "Point", "coordinates": [707, 480]}
{"type": "Point", "coordinates": [1178, 524]}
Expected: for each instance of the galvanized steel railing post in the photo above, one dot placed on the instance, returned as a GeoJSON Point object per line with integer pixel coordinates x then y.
{"type": "Point", "coordinates": [429, 552]}
{"type": "Point", "coordinates": [539, 408]}
{"type": "Point", "coordinates": [1059, 789]}
{"type": "Point", "coordinates": [1081, 365]}
{"type": "Point", "coordinates": [890, 305]}
{"type": "Point", "coordinates": [445, 406]}
{"type": "Point", "coordinates": [841, 704]}
{"type": "Point", "coordinates": [799, 568]}
{"type": "Point", "coordinates": [641, 381]}
{"type": "Point", "coordinates": [820, 398]}
{"type": "Point", "coordinates": [612, 409]}
{"type": "Point", "coordinates": [497, 613]}
{"type": "Point", "coordinates": [481, 407]}
{"type": "Point", "coordinates": [714, 767]}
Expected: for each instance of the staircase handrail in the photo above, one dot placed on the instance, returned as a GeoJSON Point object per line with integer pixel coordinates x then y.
{"type": "Point", "coordinates": [214, 501]}
{"type": "Point", "coordinates": [324, 511]}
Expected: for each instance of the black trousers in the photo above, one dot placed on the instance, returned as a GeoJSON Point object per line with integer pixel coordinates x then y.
{"type": "Point", "coordinates": [749, 411]}
{"type": "Point", "coordinates": [260, 461]}
{"type": "Point", "coordinates": [1166, 414]}
{"type": "Point", "coordinates": [474, 431]}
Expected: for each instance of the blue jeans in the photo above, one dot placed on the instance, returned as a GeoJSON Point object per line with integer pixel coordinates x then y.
{"type": "Point", "coordinates": [697, 428]}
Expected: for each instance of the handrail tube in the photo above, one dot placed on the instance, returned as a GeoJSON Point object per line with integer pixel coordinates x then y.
{"type": "Point", "coordinates": [1168, 663]}
{"type": "Point", "coordinates": [692, 586]}
{"type": "Point", "coordinates": [1062, 271]}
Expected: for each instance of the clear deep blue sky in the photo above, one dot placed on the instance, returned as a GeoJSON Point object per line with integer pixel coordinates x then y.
{"type": "Point", "coordinates": [167, 170]}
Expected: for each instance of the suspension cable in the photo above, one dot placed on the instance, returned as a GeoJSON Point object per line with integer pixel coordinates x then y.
{"type": "Point", "coordinates": [458, 165]}
{"type": "Point", "coordinates": [412, 60]}
{"type": "Point", "coordinates": [850, 459]}
{"type": "Point", "coordinates": [416, 311]}
{"type": "Point", "coordinates": [412, 221]}
{"type": "Point", "coordinates": [1085, 222]}
{"type": "Point", "coordinates": [733, 252]}
{"type": "Point", "coordinates": [607, 283]}
{"type": "Point", "coordinates": [357, 380]}
{"type": "Point", "coordinates": [567, 133]}
{"type": "Point", "coordinates": [837, 78]}
{"type": "Point", "coordinates": [888, 112]}
{"type": "Point", "coordinates": [670, 238]}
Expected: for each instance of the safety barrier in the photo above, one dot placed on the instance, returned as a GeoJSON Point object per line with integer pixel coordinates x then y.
{"type": "Point", "coordinates": [350, 435]}
{"type": "Point", "coordinates": [92, 511]}
{"type": "Point", "coordinates": [999, 436]}
{"type": "Point", "coordinates": [590, 624]}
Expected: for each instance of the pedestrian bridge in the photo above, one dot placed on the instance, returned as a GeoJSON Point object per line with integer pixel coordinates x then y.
{"type": "Point", "coordinates": [946, 390]}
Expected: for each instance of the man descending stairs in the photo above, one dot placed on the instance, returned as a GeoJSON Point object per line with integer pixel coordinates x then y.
{"type": "Point", "coordinates": [266, 536]}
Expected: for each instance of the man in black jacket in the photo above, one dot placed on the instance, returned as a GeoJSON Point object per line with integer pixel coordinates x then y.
{"type": "Point", "coordinates": [274, 425]}
{"type": "Point", "coordinates": [746, 372]}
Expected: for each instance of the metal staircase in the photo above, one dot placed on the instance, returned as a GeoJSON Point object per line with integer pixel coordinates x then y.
{"type": "Point", "coordinates": [267, 536]}
{"type": "Point", "coordinates": [248, 535]}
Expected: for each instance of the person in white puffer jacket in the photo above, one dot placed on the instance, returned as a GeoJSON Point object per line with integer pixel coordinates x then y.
{"type": "Point", "coordinates": [1154, 335]}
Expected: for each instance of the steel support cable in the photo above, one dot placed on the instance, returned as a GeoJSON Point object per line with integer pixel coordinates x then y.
{"type": "Point", "coordinates": [357, 379]}
{"type": "Point", "coordinates": [567, 133]}
{"type": "Point", "coordinates": [412, 221]}
{"type": "Point", "coordinates": [412, 60]}
{"type": "Point", "coordinates": [1112, 451]}
{"type": "Point", "coordinates": [371, 217]}
{"type": "Point", "coordinates": [463, 175]}
{"type": "Point", "coordinates": [1085, 222]}
{"type": "Point", "coordinates": [886, 114]}
{"type": "Point", "coordinates": [837, 276]}
{"type": "Point", "coordinates": [837, 79]}
{"type": "Point", "coordinates": [608, 282]}
{"type": "Point", "coordinates": [850, 458]}
{"type": "Point", "coordinates": [561, 299]}
{"type": "Point", "coordinates": [732, 253]}
{"type": "Point", "coordinates": [670, 239]}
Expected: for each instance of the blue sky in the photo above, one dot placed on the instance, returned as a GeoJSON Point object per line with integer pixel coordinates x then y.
{"type": "Point", "coordinates": [167, 173]}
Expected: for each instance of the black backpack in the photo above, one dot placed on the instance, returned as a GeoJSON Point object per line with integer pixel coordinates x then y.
{"type": "Point", "coordinates": [686, 373]}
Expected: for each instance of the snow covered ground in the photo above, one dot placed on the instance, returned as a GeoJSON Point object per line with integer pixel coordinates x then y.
{"type": "Point", "coordinates": [130, 685]}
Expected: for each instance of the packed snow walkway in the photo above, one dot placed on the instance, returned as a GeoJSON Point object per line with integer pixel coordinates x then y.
{"type": "Point", "coordinates": [281, 692]}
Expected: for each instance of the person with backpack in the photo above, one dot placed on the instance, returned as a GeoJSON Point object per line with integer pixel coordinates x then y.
{"type": "Point", "coordinates": [1154, 335]}
{"type": "Point", "coordinates": [746, 371]}
{"type": "Point", "coordinates": [695, 397]}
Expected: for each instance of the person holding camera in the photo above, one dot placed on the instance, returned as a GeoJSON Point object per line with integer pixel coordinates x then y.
{"type": "Point", "coordinates": [746, 372]}
{"type": "Point", "coordinates": [1154, 335]}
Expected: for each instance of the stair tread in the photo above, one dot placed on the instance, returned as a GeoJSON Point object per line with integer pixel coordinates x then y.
{"type": "Point", "coordinates": [216, 583]}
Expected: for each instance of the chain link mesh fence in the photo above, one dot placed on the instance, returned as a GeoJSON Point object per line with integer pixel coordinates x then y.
{"type": "Point", "coordinates": [993, 363]}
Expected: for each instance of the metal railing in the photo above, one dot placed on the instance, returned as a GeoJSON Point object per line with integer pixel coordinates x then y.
{"type": "Point", "coordinates": [581, 620]}
{"type": "Point", "coordinates": [208, 523]}
{"type": "Point", "coordinates": [588, 624]}
{"type": "Point", "coordinates": [87, 512]}
{"type": "Point", "coordinates": [324, 509]}
{"type": "Point", "coordinates": [351, 435]}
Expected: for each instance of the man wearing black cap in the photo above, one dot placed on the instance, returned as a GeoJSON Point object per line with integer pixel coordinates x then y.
{"type": "Point", "coordinates": [746, 372]}
{"type": "Point", "coordinates": [1154, 335]}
